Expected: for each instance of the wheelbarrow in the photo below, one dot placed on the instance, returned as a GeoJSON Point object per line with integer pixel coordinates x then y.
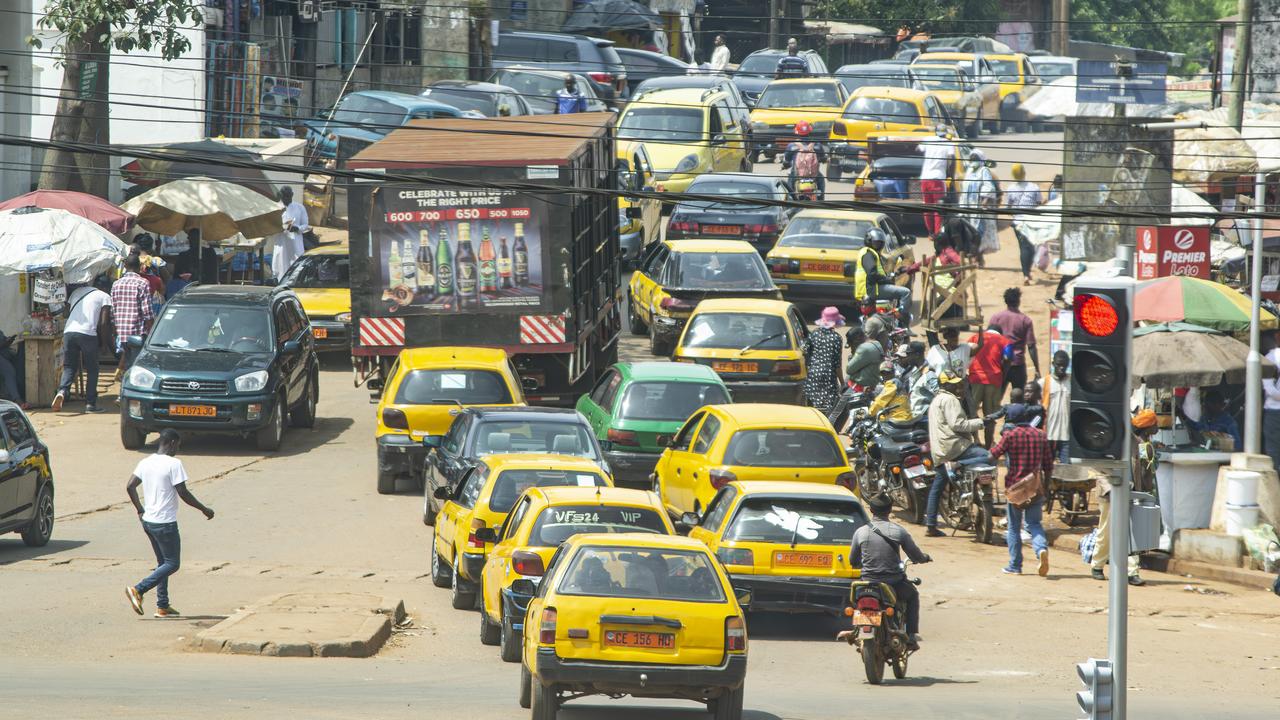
{"type": "Point", "coordinates": [1069, 486]}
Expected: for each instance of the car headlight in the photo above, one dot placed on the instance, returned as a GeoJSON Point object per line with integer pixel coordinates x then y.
{"type": "Point", "coordinates": [141, 378]}
{"type": "Point", "coordinates": [251, 382]}
{"type": "Point", "coordinates": [343, 317]}
{"type": "Point", "coordinates": [759, 126]}
{"type": "Point", "coordinates": [687, 165]}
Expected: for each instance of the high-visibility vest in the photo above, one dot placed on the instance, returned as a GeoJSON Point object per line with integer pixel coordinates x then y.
{"type": "Point", "coordinates": [860, 275]}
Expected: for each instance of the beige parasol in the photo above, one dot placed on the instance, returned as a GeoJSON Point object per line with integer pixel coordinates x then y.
{"type": "Point", "coordinates": [217, 209]}
{"type": "Point", "coordinates": [1173, 355]}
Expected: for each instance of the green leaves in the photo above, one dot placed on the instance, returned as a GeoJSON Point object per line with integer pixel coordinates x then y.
{"type": "Point", "coordinates": [125, 25]}
{"type": "Point", "coordinates": [952, 17]}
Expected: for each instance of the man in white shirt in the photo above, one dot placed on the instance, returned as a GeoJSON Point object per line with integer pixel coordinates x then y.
{"type": "Point", "coordinates": [720, 56]}
{"type": "Point", "coordinates": [289, 243]}
{"type": "Point", "coordinates": [89, 307]}
{"type": "Point", "coordinates": [1058, 406]}
{"type": "Point", "coordinates": [163, 481]}
{"type": "Point", "coordinates": [939, 167]}
{"type": "Point", "coordinates": [1271, 410]}
{"type": "Point", "coordinates": [950, 355]}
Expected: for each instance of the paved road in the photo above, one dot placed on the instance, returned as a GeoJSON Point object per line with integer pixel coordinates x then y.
{"type": "Point", "coordinates": [308, 518]}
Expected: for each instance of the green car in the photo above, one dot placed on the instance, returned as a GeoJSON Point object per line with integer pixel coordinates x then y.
{"type": "Point", "coordinates": [636, 408]}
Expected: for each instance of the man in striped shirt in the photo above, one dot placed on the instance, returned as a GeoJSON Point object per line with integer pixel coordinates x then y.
{"type": "Point", "coordinates": [792, 65]}
{"type": "Point", "coordinates": [131, 307]}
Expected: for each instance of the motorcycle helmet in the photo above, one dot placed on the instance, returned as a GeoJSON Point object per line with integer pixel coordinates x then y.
{"type": "Point", "coordinates": [803, 128]}
{"type": "Point", "coordinates": [875, 236]}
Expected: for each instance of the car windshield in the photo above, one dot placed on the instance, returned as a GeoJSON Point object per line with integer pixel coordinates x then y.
{"type": "Point", "coordinates": [813, 521]}
{"type": "Point", "coordinates": [212, 328]}
{"type": "Point", "coordinates": [534, 436]}
{"type": "Point", "coordinates": [763, 64]}
{"type": "Point", "coordinates": [369, 113]}
{"type": "Point", "coordinates": [938, 78]}
{"type": "Point", "coordinates": [1054, 70]}
{"type": "Point", "coordinates": [1004, 67]}
{"type": "Point", "coordinates": [511, 483]}
{"type": "Point", "coordinates": [670, 401]}
{"type": "Point", "coordinates": [661, 123]}
{"type": "Point", "coordinates": [453, 387]}
{"type": "Point", "coordinates": [557, 524]}
{"type": "Point", "coordinates": [825, 233]}
{"type": "Point", "coordinates": [685, 575]}
{"type": "Point", "coordinates": [319, 271]}
{"type": "Point", "coordinates": [867, 77]}
{"type": "Point", "coordinates": [744, 189]}
{"type": "Point", "coordinates": [800, 95]}
{"type": "Point", "coordinates": [783, 448]}
{"type": "Point", "coordinates": [485, 103]}
{"type": "Point", "coordinates": [737, 330]}
{"type": "Point", "coordinates": [882, 110]}
{"type": "Point", "coordinates": [739, 270]}
{"type": "Point", "coordinates": [538, 90]}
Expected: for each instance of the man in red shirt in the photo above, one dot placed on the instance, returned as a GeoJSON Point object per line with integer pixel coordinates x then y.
{"type": "Point", "coordinates": [986, 375]}
{"type": "Point", "coordinates": [1028, 450]}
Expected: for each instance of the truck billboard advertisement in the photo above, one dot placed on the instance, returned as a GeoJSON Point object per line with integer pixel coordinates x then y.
{"type": "Point", "coordinates": [444, 251]}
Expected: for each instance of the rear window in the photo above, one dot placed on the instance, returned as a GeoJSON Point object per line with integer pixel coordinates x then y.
{"type": "Point", "coordinates": [557, 524]}
{"type": "Point", "coordinates": [467, 387]}
{"type": "Point", "coordinates": [483, 102]}
{"type": "Point", "coordinates": [365, 111]}
{"type": "Point", "coordinates": [864, 77]}
{"type": "Point", "coordinates": [796, 520]}
{"type": "Point", "coordinates": [826, 233]}
{"type": "Point", "coordinates": [319, 271]}
{"type": "Point", "coordinates": [737, 331]}
{"type": "Point", "coordinates": [796, 95]}
{"type": "Point", "coordinates": [685, 575]}
{"type": "Point", "coordinates": [759, 64]}
{"type": "Point", "coordinates": [662, 124]}
{"type": "Point", "coordinates": [509, 485]}
{"type": "Point", "coordinates": [516, 436]}
{"type": "Point", "coordinates": [674, 401]}
{"type": "Point", "coordinates": [938, 78]}
{"type": "Point", "coordinates": [737, 189]}
{"type": "Point", "coordinates": [783, 448]}
{"type": "Point", "coordinates": [1005, 67]}
{"type": "Point", "coordinates": [742, 270]}
{"type": "Point", "coordinates": [882, 110]}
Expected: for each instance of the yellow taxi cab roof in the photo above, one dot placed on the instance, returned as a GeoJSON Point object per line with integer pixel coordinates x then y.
{"type": "Point", "coordinates": [774, 415]}
{"type": "Point", "coordinates": [337, 248]}
{"type": "Point", "coordinates": [742, 305]}
{"type": "Point", "coordinates": [645, 540]}
{"type": "Point", "coordinates": [805, 81]}
{"type": "Point", "coordinates": [747, 488]}
{"type": "Point", "coordinates": [692, 97]}
{"type": "Point", "coordinates": [824, 214]}
{"type": "Point", "coordinates": [929, 56]}
{"type": "Point", "coordinates": [893, 93]}
{"type": "Point", "coordinates": [1002, 56]}
{"type": "Point", "coordinates": [452, 356]}
{"type": "Point", "coordinates": [710, 246]}
{"type": "Point", "coordinates": [540, 461]}
{"type": "Point", "coordinates": [573, 495]}
{"type": "Point", "coordinates": [948, 65]}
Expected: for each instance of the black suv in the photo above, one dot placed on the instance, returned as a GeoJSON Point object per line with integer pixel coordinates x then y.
{"type": "Point", "coordinates": [26, 482]}
{"type": "Point", "coordinates": [594, 57]}
{"type": "Point", "coordinates": [223, 358]}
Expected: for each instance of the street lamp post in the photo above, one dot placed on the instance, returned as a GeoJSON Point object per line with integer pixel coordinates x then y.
{"type": "Point", "coordinates": [1253, 364]}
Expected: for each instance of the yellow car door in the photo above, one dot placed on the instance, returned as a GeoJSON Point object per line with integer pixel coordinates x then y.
{"type": "Point", "coordinates": [722, 151]}
{"type": "Point", "coordinates": [457, 512]}
{"type": "Point", "coordinates": [674, 471]}
{"type": "Point", "coordinates": [697, 490]}
{"type": "Point", "coordinates": [650, 208]}
{"type": "Point", "coordinates": [497, 563]}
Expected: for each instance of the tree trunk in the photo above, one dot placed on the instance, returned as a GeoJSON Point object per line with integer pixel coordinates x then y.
{"type": "Point", "coordinates": [82, 117]}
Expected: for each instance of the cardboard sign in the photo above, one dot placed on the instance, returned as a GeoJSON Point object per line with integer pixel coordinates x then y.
{"type": "Point", "coordinates": [1165, 250]}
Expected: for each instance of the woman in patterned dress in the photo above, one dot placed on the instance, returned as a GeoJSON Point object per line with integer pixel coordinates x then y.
{"type": "Point", "coordinates": [822, 352]}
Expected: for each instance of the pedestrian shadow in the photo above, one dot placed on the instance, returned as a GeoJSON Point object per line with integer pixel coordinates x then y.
{"type": "Point", "coordinates": [14, 550]}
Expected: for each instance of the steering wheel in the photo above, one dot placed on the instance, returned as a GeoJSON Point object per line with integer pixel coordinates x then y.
{"type": "Point", "coordinates": [257, 342]}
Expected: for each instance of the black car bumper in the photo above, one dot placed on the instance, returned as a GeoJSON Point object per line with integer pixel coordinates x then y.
{"type": "Point", "coordinates": [631, 469]}
{"type": "Point", "coordinates": [788, 392]}
{"type": "Point", "coordinates": [400, 455]}
{"type": "Point", "coordinates": [776, 141]}
{"type": "Point", "coordinates": [668, 328]}
{"type": "Point", "coordinates": [236, 413]}
{"type": "Point", "coordinates": [331, 335]}
{"type": "Point", "coordinates": [472, 566]}
{"type": "Point", "coordinates": [515, 605]}
{"type": "Point", "coordinates": [816, 291]}
{"type": "Point", "coordinates": [792, 594]}
{"type": "Point", "coordinates": [658, 680]}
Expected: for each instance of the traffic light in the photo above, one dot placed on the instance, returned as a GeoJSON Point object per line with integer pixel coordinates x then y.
{"type": "Point", "coordinates": [1095, 699]}
{"type": "Point", "coordinates": [1101, 354]}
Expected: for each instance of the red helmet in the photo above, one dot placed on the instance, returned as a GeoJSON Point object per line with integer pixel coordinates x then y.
{"type": "Point", "coordinates": [803, 128]}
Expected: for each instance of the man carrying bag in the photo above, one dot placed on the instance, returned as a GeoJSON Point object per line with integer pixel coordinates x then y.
{"type": "Point", "coordinates": [1030, 462]}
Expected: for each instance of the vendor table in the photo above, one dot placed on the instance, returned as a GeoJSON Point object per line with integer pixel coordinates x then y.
{"type": "Point", "coordinates": [43, 368]}
{"type": "Point", "coordinates": [1187, 482]}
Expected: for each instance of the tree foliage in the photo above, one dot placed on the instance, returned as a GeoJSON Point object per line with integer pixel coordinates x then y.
{"type": "Point", "coordinates": [941, 17]}
{"type": "Point", "coordinates": [1182, 26]}
{"type": "Point", "coordinates": [124, 25]}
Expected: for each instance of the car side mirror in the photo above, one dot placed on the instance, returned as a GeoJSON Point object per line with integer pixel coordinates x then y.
{"type": "Point", "coordinates": [134, 341]}
{"type": "Point", "coordinates": [375, 384]}
{"type": "Point", "coordinates": [442, 493]}
{"type": "Point", "coordinates": [432, 441]}
{"type": "Point", "coordinates": [524, 586]}
{"type": "Point", "coordinates": [718, 139]}
{"type": "Point", "coordinates": [744, 599]}
{"type": "Point", "coordinates": [486, 534]}
{"type": "Point", "coordinates": [690, 519]}
{"type": "Point", "coordinates": [528, 383]}
{"type": "Point", "coordinates": [290, 347]}
{"type": "Point", "coordinates": [4, 457]}
{"type": "Point", "coordinates": [633, 212]}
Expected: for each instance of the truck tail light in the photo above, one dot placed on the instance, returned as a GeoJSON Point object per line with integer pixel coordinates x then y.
{"type": "Point", "coordinates": [847, 480]}
{"type": "Point", "coordinates": [735, 634]}
{"type": "Point", "coordinates": [528, 563]}
{"type": "Point", "coordinates": [736, 556]}
{"type": "Point", "coordinates": [395, 418]}
{"type": "Point", "coordinates": [720, 477]}
{"type": "Point", "coordinates": [786, 368]}
{"type": "Point", "coordinates": [674, 303]}
{"type": "Point", "coordinates": [622, 437]}
{"type": "Point", "coordinates": [547, 627]}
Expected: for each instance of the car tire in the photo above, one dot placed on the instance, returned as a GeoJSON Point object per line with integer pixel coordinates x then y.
{"type": "Point", "coordinates": [304, 416]}
{"type": "Point", "coordinates": [490, 632]}
{"type": "Point", "coordinates": [634, 323]}
{"type": "Point", "coordinates": [745, 166]}
{"type": "Point", "coordinates": [526, 687]}
{"type": "Point", "coordinates": [428, 513]}
{"type": "Point", "coordinates": [40, 529]}
{"type": "Point", "coordinates": [545, 702]}
{"type": "Point", "coordinates": [441, 575]}
{"type": "Point", "coordinates": [459, 599]}
{"type": "Point", "coordinates": [271, 435]}
{"type": "Point", "coordinates": [729, 705]}
{"type": "Point", "coordinates": [753, 157]}
{"type": "Point", "coordinates": [132, 437]}
{"type": "Point", "coordinates": [386, 482]}
{"type": "Point", "coordinates": [979, 126]}
{"type": "Point", "coordinates": [509, 641]}
{"type": "Point", "coordinates": [658, 347]}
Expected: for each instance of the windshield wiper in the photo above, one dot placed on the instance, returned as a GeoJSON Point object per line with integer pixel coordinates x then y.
{"type": "Point", "coordinates": [214, 349]}
{"type": "Point", "coordinates": [168, 346]}
{"type": "Point", "coordinates": [762, 341]}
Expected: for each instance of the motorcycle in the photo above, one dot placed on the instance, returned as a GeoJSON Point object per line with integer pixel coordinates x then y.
{"type": "Point", "coordinates": [806, 189]}
{"type": "Point", "coordinates": [889, 458]}
{"type": "Point", "coordinates": [879, 629]}
{"type": "Point", "coordinates": [968, 500]}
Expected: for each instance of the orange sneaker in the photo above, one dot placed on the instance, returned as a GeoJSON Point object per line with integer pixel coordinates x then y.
{"type": "Point", "coordinates": [167, 613]}
{"type": "Point", "coordinates": [135, 598]}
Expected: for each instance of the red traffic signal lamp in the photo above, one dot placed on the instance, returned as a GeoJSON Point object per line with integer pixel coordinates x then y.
{"type": "Point", "coordinates": [1101, 356]}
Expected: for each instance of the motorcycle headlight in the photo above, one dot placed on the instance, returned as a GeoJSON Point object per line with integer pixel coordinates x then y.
{"type": "Point", "coordinates": [141, 378]}
{"type": "Point", "coordinates": [252, 382]}
{"type": "Point", "coordinates": [343, 317]}
{"type": "Point", "coordinates": [687, 165]}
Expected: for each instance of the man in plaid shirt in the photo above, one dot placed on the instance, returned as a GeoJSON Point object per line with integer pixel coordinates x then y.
{"type": "Point", "coordinates": [131, 307]}
{"type": "Point", "coordinates": [1028, 450]}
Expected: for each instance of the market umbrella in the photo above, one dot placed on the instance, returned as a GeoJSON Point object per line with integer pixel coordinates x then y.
{"type": "Point", "coordinates": [90, 207]}
{"type": "Point", "coordinates": [189, 159]}
{"type": "Point", "coordinates": [612, 15]}
{"type": "Point", "coordinates": [34, 239]}
{"type": "Point", "coordinates": [1195, 301]}
{"type": "Point", "coordinates": [217, 209]}
{"type": "Point", "coordinates": [1173, 355]}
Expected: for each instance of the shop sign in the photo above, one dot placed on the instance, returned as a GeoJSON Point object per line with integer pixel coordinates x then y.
{"type": "Point", "coordinates": [1165, 250]}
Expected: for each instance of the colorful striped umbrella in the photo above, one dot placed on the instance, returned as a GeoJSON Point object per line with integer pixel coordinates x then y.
{"type": "Point", "coordinates": [1196, 301]}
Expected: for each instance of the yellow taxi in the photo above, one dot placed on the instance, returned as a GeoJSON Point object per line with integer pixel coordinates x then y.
{"type": "Point", "coordinates": [816, 258]}
{"type": "Point", "coordinates": [957, 93]}
{"type": "Point", "coordinates": [753, 345]}
{"type": "Point", "coordinates": [687, 132]}
{"type": "Point", "coordinates": [675, 275]}
{"type": "Point", "coordinates": [977, 69]}
{"type": "Point", "coordinates": [652, 616]}
{"type": "Point", "coordinates": [876, 109]}
{"type": "Point", "coordinates": [786, 546]}
{"type": "Point", "coordinates": [321, 278]}
{"type": "Point", "coordinates": [720, 444]}
{"type": "Point", "coordinates": [483, 499]}
{"type": "Point", "coordinates": [639, 219]}
{"type": "Point", "coordinates": [785, 103]}
{"type": "Point", "coordinates": [426, 386]}
{"type": "Point", "coordinates": [894, 162]}
{"type": "Point", "coordinates": [543, 519]}
{"type": "Point", "coordinates": [1017, 79]}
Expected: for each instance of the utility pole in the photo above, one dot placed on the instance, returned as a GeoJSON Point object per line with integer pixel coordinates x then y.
{"type": "Point", "coordinates": [1060, 40]}
{"type": "Point", "coordinates": [1240, 66]}
{"type": "Point", "coordinates": [774, 11]}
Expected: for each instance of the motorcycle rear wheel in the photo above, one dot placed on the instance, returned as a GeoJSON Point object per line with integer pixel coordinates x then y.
{"type": "Point", "coordinates": [899, 665]}
{"type": "Point", "coordinates": [872, 662]}
{"type": "Point", "coordinates": [956, 513]}
{"type": "Point", "coordinates": [983, 512]}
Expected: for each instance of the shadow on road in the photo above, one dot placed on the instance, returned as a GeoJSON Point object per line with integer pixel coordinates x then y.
{"type": "Point", "coordinates": [926, 682]}
{"type": "Point", "coordinates": [13, 550]}
{"type": "Point", "coordinates": [784, 626]}
{"type": "Point", "coordinates": [296, 441]}
{"type": "Point", "coordinates": [572, 711]}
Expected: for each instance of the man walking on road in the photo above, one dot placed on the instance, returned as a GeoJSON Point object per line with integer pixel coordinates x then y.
{"type": "Point", "coordinates": [90, 308]}
{"type": "Point", "coordinates": [791, 65]}
{"type": "Point", "coordinates": [290, 243]}
{"type": "Point", "coordinates": [570, 99]}
{"type": "Point", "coordinates": [1057, 405]}
{"type": "Point", "coordinates": [1020, 331]}
{"type": "Point", "coordinates": [163, 480]}
{"type": "Point", "coordinates": [720, 56]}
{"type": "Point", "coordinates": [1028, 452]}
{"type": "Point", "coordinates": [937, 171]}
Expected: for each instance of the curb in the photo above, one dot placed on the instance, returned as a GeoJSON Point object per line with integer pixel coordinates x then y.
{"type": "Point", "coordinates": [1160, 562]}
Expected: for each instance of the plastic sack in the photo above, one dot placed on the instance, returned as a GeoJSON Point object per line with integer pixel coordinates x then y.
{"type": "Point", "coordinates": [1258, 541]}
{"type": "Point", "coordinates": [1089, 544]}
{"type": "Point", "coordinates": [1042, 257]}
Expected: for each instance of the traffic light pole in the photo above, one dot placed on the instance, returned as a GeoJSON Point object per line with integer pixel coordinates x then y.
{"type": "Point", "coordinates": [1118, 614]}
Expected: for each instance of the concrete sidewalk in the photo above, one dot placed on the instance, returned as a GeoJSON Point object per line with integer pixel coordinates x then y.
{"type": "Point", "coordinates": [306, 625]}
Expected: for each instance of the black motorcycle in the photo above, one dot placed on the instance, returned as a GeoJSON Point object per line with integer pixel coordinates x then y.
{"type": "Point", "coordinates": [968, 501]}
{"type": "Point", "coordinates": [879, 629]}
{"type": "Point", "coordinates": [889, 457]}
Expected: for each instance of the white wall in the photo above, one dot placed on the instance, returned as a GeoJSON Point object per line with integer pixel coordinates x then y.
{"type": "Point", "coordinates": [16, 84]}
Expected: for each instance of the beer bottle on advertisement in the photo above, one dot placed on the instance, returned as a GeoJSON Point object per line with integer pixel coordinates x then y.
{"type": "Point", "coordinates": [504, 263]}
{"type": "Point", "coordinates": [488, 265]}
{"type": "Point", "coordinates": [521, 252]}
{"type": "Point", "coordinates": [468, 282]}
{"type": "Point", "coordinates": [395, 268]}
{"type": "Point", "coordinates": [409, 268]}
{"type": "Point", "coordinates": [444, 266]}
{"type": "Point", "coordinates": [426, 272]}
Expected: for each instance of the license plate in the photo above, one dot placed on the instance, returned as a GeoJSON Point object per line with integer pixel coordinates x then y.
{"type": "Point", "coordinates": [320, 333]}
{"type": "Point", "coordinates": [802, 559]}
{"type": "Point", "coordinates": [914, 471]}
{"type": "Point", "coordinates": [826, 267]}
{"type": "Point", "coordinates": [866, 618]}
{"type": "Point", "coordinates": [722, 229]}
{"type": "Point", "coordinates": [735, 367]}
{"type": "Point", "coordinates": [636, 639]}
{"type": "Point", "coordinates": [193, 410]}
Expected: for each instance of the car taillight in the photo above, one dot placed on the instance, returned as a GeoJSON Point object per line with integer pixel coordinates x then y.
{"type": "Point", "coordinates": [735, 556]}
{"type": "Point", "coordinates": [527, 563]}
{"type": "Point", "coordinates": [673, 303]}
{"type": "Point", "coordinates": [735, 634]}
{"type": "Point", "coordinates": [547, 627]}
{"type": "Point", "coordinates": [758, 229]}
{"type": "Point", "coordinates": [911, 461]}
{"type": "Point", "coordinates": [720, 477]}
{"type": "Point", "coordinates": [601, 77]}
{"type": "Point", "coordinates": [394, 418]}
{"type": "Point", "coordinates": [682, 226]}
{"type": "Point", "coordinates": [847, 480]}
{"type": "Point", "coordinates": [622, 437]}
{"type": "Point", "coordinates": [868, 603]}
{"type": "Point", "coordinates": [786, 367]}
{"type": "Point", "coordinates": [472, 540]}
{"type": "Point", "coordinates": [839, 128]}
{"type": "Point", "coordinates": [780, 267]}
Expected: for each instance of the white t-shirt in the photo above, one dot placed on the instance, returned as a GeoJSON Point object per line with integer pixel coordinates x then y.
{"type": "Point", "coordinates": [84, 316]}
{"type": "Point", "coordinates": [938, 153]}
{"type": "Point", "coordinates": [955, 361]}
{"type": "Point", "coordinates": [160, 476]}
{"type": "Point", "coordinates": [720, 57]}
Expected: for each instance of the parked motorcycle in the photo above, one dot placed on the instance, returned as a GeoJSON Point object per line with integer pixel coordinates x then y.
{"type": "Point", "coordinates": [968, 501]}
{"type": "Point", "coordinates": [888, 457]}
{"type": "Point", "coordinates": [879, 629]}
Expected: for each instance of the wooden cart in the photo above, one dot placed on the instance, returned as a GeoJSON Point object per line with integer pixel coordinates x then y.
{"type": "Point", "coordinates": [1070, 486]}
{"type": "Point", "coordinates": [950, 297]}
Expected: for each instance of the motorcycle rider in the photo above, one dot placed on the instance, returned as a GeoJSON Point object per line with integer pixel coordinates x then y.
{"type": "Point", "coordinates": [871, 282]}
{"type": "Point", "coordinates": [952, 437]}
{"type": "Point", "coordinates": [875, 551]}
{"type": "Point", "coordinates": [805, 157]}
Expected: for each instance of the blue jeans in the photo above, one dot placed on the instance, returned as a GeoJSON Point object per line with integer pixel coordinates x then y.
{"type": "Point", "coordinates": [80, 350]}
{"type": "Point", "coordinates": [899, 293]}
{"type": "Point", "coordinates": [1013, 536]}
{"type": "Point", "coordinates": [168, 548]}
{"type": "Point", "coordinates": [975, 454]}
